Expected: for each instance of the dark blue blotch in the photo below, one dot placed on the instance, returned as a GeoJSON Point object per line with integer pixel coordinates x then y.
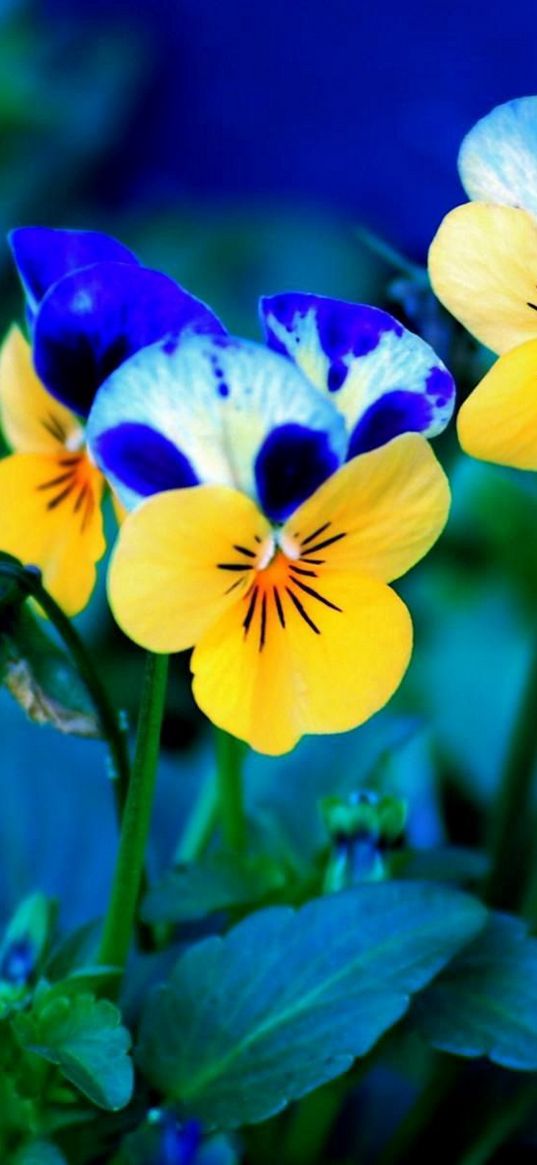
{"type": "Point", "coordinates": [440, 386]}
{"type": "Point", "coordinates": [223, 388]}
{"type": "Point", "coordinates": [352, 328]}
{"type": "Point", "coordinates": [292, 462]}
{"type": "Point", "coordinates": [94, 319]}
{"type": "Point", "coordinates": [344, 328]}
{"type": "Point", "coordinates": [18, 962]}
{"type": "Point", "coordinates": [395, 413]}
{"type": "Point", "coordinates": [171, 345]}
{"type": "Point", "coordinates": [337, 375]}
{"type": "Point", "coordinates": [142, 459]}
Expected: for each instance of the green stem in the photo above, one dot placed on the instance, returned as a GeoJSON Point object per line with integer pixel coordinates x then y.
{"type": "Point", "coordinates": [120, 918]}
{"type": "Point", "coordinates": [30, 582]}
{"type": "Point", "coordinates": [501, 1123]}
{"type": "Point", "coordinates": [509, 832]}
{"type": "Point", "coordinates": [200, 824]}
{"type": "Point", "coordinates": [229, 759]}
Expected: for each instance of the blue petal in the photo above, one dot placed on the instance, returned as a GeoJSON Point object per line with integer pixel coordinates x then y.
{"type": "Point", "coordinates": [218, 400]}
{"type": "Point", "coordinates": [94, 319]}
{"type": "Point", "coordinates": [360, 356]}
{"type": "Point", "coordinates": [292, 462]}
{"type": "Point", "coordinates": [498, 157]}
{"type": "Point", "coordinates": [44, 254]}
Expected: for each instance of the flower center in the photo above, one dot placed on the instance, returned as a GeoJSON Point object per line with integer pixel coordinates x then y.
{"type": "Point", "coordinates": [278, 579]}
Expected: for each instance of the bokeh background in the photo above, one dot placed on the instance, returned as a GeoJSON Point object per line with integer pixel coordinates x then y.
{"type": "Point", "coordinates": [247, 148]}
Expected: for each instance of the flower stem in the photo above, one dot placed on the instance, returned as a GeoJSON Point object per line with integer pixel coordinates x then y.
{"type": "Point", "coordinates": [200, 824]}
{"type": "Point", "coordinates": [229, 759]}
{"type": "Point", "coordinates": [120, 918]}
{"type": "Point", "coordinates": [509, 832]}
{"type": "Point", "coordinates": [30, 583]}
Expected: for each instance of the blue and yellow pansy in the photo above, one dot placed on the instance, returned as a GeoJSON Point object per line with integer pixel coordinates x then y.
{"type": "Point", "coordinates": [89, 306]}
{"type": "Point", "coordinates": [483, 267]}
{"type": "Point", "coordinates": [276, 490]}
{"type": "Point", "coordinates": [277, 518]}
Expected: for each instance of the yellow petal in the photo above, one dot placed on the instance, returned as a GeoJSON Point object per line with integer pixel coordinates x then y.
{"type": "Point", "coordinates": [50, 517]}
{"type": "Point", "coordinates": [165, 585]}
{"type": "Point", "coordinates": [325, 668]}
{"type": "Point", "coordinates": [379, 514]}
{"type": "Point", "coordinates": [498, 422]}
{"type": "Point", "coordinates": [33, 422]}
{"type": "Point", "coordinates": [483, 267]}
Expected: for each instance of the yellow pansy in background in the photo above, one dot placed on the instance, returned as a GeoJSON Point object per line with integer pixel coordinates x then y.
{"type": "Point", "coordinates": [50, 491]}
{"type": "Point", "coordinates": [483, 267]}
{"type": "Point", "coordinates": [89, 306]}
{"type": "Point", "coordinates": [294, 627]}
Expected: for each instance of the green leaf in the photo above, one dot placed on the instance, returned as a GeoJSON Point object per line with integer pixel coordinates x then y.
{"type": "Point", "coordinates": [85, 1038]}
{"type": "Point", "coordinates": [39, 1153]}
{"type": "Point", "coordinates": [288, 998]}
{"type": "Point", "coordinates": [485, 1003]}
{"type": "Point", "coordinates": [41, 677]}
{"type": "Point", "coordinates": [219, 882]}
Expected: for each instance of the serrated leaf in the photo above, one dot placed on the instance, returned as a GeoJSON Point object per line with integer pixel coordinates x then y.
{"type": "Point", "coordinates": [485, 1003]}
{"type": "Point", "coordinates": [84, 1037]}
{"type": "Point", "coordinates": [42, 679]}
{"type": "Point", "coordinates": [39, 1153]}
{"type": "Point", "coordinates": [219, 882]}
{"type": "Point", "coordinates": [288, 998]}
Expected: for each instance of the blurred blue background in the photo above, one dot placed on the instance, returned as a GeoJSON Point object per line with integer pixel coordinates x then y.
{"type": "Point", "coordinates": [355, 107]}
{"type": "Point", "coordinates": [239, 147]}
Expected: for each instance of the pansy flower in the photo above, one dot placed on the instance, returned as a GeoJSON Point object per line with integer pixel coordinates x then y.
{"type": "Point", "coordinates": [272, 543]}
{"type": "Point", "coordinates": [89, 305]}
{"type": "Point", "coordinates": [483, 267]}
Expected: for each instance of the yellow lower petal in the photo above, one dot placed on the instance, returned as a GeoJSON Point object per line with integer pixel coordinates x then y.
{"type": "Point", "coordinates": [320, 671]}
{"type": "Point", "coordinates": [32, 421]}
{"type": "Point", "coordinates": [498, 422]}
{"type": "Point", "coordinates": [483, 267]}
{"type": "Point", "coordinates": [176, 566]}
{"type": "Point", "coordinates": [377, 515]}
{"type": "Point", "coordinates": [50, 517]}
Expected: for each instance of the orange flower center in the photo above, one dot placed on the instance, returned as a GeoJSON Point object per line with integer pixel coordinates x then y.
{"type": "Point", "coordinates": [279, 579]}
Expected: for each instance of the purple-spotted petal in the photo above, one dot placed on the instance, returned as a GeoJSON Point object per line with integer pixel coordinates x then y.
{"type": "Point", "coordinates": [383, 379]}
{"type": "Point", "coordinates": [94, 319]}
{"type": "Point", "coordinates": [45, 254]}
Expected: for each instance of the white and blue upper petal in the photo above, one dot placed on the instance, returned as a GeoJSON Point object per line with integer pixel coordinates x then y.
{"type": "Point", "coordinates": [219, 410]}
{"type": "Point", "coordinates": [498, 157]}
{"type": "Point", "coordinates": [382, 378]}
